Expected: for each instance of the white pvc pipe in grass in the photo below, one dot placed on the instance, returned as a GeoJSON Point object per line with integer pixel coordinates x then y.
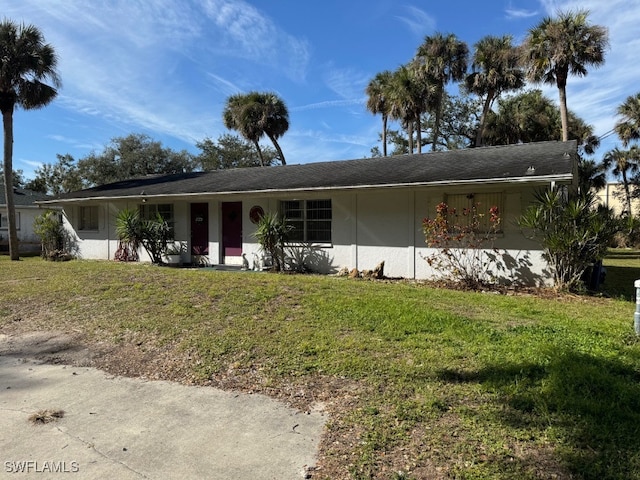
{"type": "Point", "coordinates": [636, 315]}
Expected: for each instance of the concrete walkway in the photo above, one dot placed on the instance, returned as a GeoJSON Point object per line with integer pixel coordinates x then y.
{"type": "Point", "coordinates": [125, 428]}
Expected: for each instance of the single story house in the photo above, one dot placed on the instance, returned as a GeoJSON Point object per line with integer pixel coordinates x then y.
{"type": "Point", "coordinates": [26, 211]}
{"type": "Point", "coordinates": [351, 213]}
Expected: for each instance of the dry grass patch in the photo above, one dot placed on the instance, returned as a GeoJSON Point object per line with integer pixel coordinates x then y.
{"type": "Point", "coordinates": [46, 416]}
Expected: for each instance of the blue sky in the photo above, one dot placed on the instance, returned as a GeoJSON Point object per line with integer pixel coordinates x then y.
{"type": "Point", "coordinates": [165, 67]}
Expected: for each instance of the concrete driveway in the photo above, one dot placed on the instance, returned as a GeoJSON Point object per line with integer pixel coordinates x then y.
{"type": "Point", "coordinates": [115, 427]}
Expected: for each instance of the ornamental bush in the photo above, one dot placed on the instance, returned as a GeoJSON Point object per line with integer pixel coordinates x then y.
{"type": "Point", "coordinates": [573, 232]}
{"type": "Point", "coordinates": [48, 227]}
{"type": "Point", "coordinates": [461, 244]}
{"type": "Point", "coordinates": [133, 232]}
{"type": "Point", "coordinates": [272, 232]}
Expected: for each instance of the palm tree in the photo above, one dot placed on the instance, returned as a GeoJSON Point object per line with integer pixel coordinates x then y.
{"type": "Point", "coordinates": [439, 60]}
{"type": "Point", "coordinates": [623, 162]}
{"type": "Point", "coordinates": [273, 119]}
{"type": "Point", "coordinates": [592, 176]}
{"type": "Point", "coordinates": [496, 69]}
{"type": "Point", "coordinates": [561, 46]}
{"type": "Point", "coordinates": [628, 128]}
{"type": "Point", "coordinates": [27, 66]}
{"type": "Point", "coordinates": [408, 98]}
{"type": "Point", "coordinates": [378, 92]}
{"type": "Point", "coordinates": [238, 115]}
{"type": "Point", "coordinates": [400, 103]}
{"type": "Point", "coordinates": [256, 114]}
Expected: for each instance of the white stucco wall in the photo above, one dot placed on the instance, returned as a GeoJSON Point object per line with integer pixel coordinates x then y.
{"type": "Point", "coordinates": [25, 224]}
{"type": "Point", "coordinates": [28, 240]}
{"type": "Point", "coordinates": [385, 225]}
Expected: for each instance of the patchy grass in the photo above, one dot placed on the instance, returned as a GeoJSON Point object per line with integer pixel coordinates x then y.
{"type": "Point", "coordinates": [420, 382]}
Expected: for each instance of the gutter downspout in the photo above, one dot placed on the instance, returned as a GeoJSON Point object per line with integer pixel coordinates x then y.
{"type": "Point", "coordinates": [413, 242]}
{"type": "Point", "coordinates": [355, 230]}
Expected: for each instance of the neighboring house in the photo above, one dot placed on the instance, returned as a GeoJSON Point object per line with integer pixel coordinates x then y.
{"type": "Point", "coordinates": [353, 213]}
{"type": "Point", "coordinates": [612, 196]}
{"type": "Point", "coordinates": [26, 212]}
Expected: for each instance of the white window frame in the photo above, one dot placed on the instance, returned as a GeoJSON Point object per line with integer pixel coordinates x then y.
{"type": "Point", "coordinates": [4, 221]}
{"type": "Point", "coordinates": [149, 211]}
{"type": "Point", "coordinates": [92, 223]}
{"type": "Point", "coordinates": [307, 214]}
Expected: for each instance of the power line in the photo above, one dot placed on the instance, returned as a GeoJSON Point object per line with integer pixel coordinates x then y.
{"type": "Point", "coordinates": [607, 134]}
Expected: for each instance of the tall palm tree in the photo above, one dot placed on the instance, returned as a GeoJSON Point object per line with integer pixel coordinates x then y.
{"type": "Point", "coordinates": [378, 102]}
{"type": "Point", "coordinates": [273, 119]}
{"type": "Point", "coordinates": [408, 98]}
{"type": "Point", "coordinates": [28, 79]}
{"type": "Point", "coordinates": [240, 115]}
{"type": "Point", "coordinates": [439, 60]}
{"type": "Point", "coordinates": [495, 69]}
{"type": "Point", "coordinates": [558, 47]}
{"type": "Point", "coordinates": [400, 101]}
{"type": "Point", "coordinates": [628, 128]}
{"type": "Point", "coordinates": [256, 114]}
{"type": "Point", "coordinates": [623, 163]}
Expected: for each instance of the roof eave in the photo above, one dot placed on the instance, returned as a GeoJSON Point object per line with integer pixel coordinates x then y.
{"type": "Point", "coordinates": [539, 179]}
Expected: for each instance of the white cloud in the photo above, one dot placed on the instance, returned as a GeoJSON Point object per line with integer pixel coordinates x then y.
{"type": "Point", "coordinates": [302, 144]}
{"type": "Point", "coordinates": [328, 104]}
{"type": "Point", "coordinates": [520, 13]}
{"type": "Point", "coordinates": [348, 83]}
{"type": "Point", "coordinates": [223, 85]}
{"type": "Point", "coordinates": [419, 22]}
{"type": "Point", "coordinates": [61, 138]}
{"type": "Point", "coordinates": [243, 31]}
{"type": "Point", "coordinates": [124, 61]}
{"type": "Point", "coordinates": [32, 163]}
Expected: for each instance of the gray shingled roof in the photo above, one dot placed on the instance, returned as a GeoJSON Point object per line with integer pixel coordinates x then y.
{"type": "Point", "coordinates": [23, 197]}
{"type": "Point", "coordinates": [524, 162]}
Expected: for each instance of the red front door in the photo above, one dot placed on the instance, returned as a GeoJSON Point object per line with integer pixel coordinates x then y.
{"type": "Point", "coordinates": [232, 229]}
{"type": "Point", "coordinates": [199, 229]}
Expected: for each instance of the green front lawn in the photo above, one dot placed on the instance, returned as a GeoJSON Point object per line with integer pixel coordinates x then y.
{"type": "Point", "coordinates": [623, 269]}
{"type": "Point", "coordinates": [420, 382]}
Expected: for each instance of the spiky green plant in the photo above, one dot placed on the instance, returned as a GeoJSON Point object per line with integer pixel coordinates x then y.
{"type": "Point", "coordinates": [271, 232]}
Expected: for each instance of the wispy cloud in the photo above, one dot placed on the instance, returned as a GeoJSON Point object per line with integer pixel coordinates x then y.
{"type": "Point", "coordinates": [515, 13]}
{"type": "Point", "coordinates": [551, 7]}
{"type": "Point", "coordinates": [61, 138]}
{"type": "Point", "coordinates": [223, 85]}
{"type": "Point", "coordinates": [32, 163]}
{"type": "Point", "coordinates": [125, 60]}
{"type": "Point", "coordinates": [328, 104]}
{"type": "Point", "coordinates": [348, 83]}
{"type": "Point", "coordinates": [418, 21]}
{"type": "Point", "coordinates": [301, 144]}
{"type": "Point", "coordinates": [243, 31]}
